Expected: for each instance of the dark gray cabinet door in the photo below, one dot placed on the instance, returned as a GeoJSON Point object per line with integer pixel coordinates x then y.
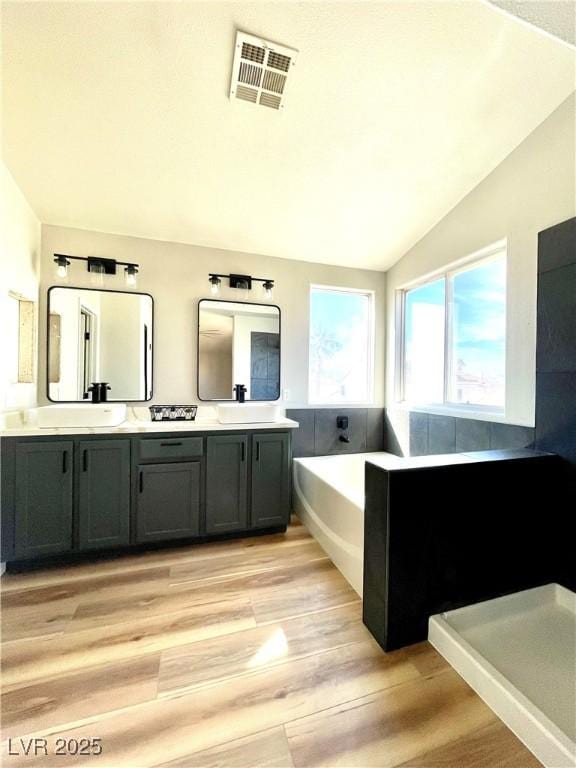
{"type": "Point", "coordinates": [104, 493]}
{"type": "Point", "coordinates": [270, 479]}
{"type": "Point", "coordinates": [43, 498]}
{"type": "Point", "coordinates": [227, 483]}
{"type": "Point", "coordinates": [168, 505]}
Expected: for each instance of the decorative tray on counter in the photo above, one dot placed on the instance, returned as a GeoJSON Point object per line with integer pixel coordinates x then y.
{"type": "Point", "coordinates": [173, 412]}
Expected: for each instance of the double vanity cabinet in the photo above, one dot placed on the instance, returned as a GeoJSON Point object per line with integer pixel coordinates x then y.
{"type": "Point", "coordinates": [86, 492]}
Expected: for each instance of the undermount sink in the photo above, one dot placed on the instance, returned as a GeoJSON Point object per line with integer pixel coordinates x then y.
{"type": "Point", "coordinates": [81, 415]}
{"type": "Point", "coordinates": [247, 413]}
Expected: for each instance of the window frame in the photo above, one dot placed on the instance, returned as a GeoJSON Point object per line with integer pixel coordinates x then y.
{"type": "Point", "coordinates": [487, 255]}
{"type": "Point", "coordinates": [370, 370]}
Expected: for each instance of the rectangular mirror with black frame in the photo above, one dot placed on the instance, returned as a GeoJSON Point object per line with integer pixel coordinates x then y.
{"type": "Point", "coordinates": [99, 336]}
{"type": "Point", "coordinates": [238, 344]}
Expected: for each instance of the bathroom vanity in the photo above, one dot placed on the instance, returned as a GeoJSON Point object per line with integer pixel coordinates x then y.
{"type": "Point", "coordinates": [74, 491]}
{"type": "Point", "coordinates": [79, 477]}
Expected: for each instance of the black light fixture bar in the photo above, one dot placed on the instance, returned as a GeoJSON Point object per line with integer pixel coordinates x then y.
{"type": "Point", "coordinates": [241, 281]}
{"type": "Point", "coordinates": [97, 265]}
{"type": "Point", "coordinates": [109, 264]}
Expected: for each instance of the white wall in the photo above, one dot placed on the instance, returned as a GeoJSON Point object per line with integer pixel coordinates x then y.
{"type": "Point", "coordinates": [121, 347]}
{"type": "Point", "coordinates": [19, 274]}
{"type": "Point", "coordinates": [534, 188]}
{"type": "Point", "coordinates": [177, 277]}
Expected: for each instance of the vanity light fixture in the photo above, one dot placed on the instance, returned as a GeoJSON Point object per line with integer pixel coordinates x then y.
{"type": "Point", "coordinates": [62, 264]}
{"type": "Point", "coordinates": [130, 274]}
{"type": "Point", "coordinates": [243, 282]}
{"type": "Point", "coordinates": [215, 284]}
{"type": "Point", "coordinates": [98, 267]}
{"type": "Point", "coordinates": [97, 272]}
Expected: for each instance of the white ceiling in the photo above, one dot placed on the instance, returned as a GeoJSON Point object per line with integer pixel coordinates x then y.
{"type": "Point", "coordinates": [117, 118]}
{"type": "Point", "coordinates": [557, 17]}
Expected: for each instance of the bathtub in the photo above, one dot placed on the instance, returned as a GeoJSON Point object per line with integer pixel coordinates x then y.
{"type": "Point", "coordinates": [329, 499]}
{"type": "Point", "coordinates": [519, 654]}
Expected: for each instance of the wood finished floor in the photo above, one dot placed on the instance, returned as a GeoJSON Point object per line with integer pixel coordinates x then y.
{"type": "Point", "coordinates": [239, 654]}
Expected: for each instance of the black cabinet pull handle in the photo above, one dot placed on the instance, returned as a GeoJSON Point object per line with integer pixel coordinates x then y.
{"type": "Point", "coordinates": [64, 462]}
{"type": "Point", "coordinates": [85, 461]}
{"type": "Point", "coordinates": [257, 451]}
{"type": "Point", "coordinates": [171, 443]}
{"type": "Point", "coordinates": [243, 451]}
{"type": "Point", "coordinates": [141, 480]}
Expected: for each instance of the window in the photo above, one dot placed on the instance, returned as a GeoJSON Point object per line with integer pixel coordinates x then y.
{"type": "Point", "coordinates": [341, 345]}
{"type": "Point", "coordinates": [454, 337]}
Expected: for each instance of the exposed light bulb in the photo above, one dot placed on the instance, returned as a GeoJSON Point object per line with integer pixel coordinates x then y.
{"type": "Point", "coordinates": [61, 266]}
{"type": "Point", "coordinates": [214, 285]}
{"type": "Point", "coordinates": [130, 275]}
{"type": "Point", "coordinates": [97, 275]}
{"type": "Point", "coordinates": [268, 289]}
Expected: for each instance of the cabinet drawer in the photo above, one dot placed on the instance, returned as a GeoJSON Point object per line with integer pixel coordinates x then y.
{"type": "Point", "coordinates": [171, 448]}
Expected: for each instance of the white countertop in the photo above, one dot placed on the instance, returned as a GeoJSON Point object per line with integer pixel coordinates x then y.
{"type": "Point", "coordinates": [17, 426]}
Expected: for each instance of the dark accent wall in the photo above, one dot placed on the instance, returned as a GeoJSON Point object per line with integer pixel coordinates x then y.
{"type": "Point", "coordinates": [556, 346]}
{"type": "Point", "coordinates": [318, 434]}
{"type": "Point", "coordinates": [265, 366]}
{"type": "Point", "coordinates": [440, 537]}
{"type": "Point", "coordinates": [556, 377]}
{"type": "Point", "coordinates": [430, 434]}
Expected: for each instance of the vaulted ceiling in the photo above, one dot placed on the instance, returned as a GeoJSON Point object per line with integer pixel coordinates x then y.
{"type": "Point", "coordinates": [117, 118]}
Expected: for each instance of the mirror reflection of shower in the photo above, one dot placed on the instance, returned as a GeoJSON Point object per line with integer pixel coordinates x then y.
{"type": "Point", "coordinates": [238, 346]}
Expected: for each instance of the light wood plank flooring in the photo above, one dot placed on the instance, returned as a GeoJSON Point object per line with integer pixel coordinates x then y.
{"type": "Point", "coordinates": [238, 654]}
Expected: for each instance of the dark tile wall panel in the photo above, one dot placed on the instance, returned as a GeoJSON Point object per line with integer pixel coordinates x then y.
{"type": "Point", "coordinates": [509, 436]}
{"type": "Point", "coordinates": [556, 413]}
{"type": "Point", "coordinates": [500, 540]}
{"type": "Point", "coordinates": [556, 350]}
{"type": "Point", "coordinates": [374, 429]}
{"type": "Point", "coordinates": [556, 346]}
{"type": "Point", "coordinates": [418, 434]}
{"type": "Point", "coordinates": [265, 366]}
{"type": "Point", "coordinates": [472, 435]}
{"type": "Point", "coordinates": [318, 434]}
{"type": "Point", "coordinates": [303, 437]}
{"type": "Point", "coordinates": [327, 436]}
{"type": "Point", "coordinates": [441, 434]}
{"type": "Point", "coordinates": [557, 246]}
{"type": "Point", "coordinates": [431, 434]}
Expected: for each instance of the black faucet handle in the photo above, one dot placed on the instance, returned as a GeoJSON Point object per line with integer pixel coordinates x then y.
{"type": "Point", "coordinates": [240, 391]}
{"type": "Point", "coordinates": [94, 389]}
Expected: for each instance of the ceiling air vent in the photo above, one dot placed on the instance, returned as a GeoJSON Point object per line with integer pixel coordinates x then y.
{"type": "Point", "coordinates": [260, 71]}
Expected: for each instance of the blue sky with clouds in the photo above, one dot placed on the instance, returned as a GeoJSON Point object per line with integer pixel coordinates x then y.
{"type": "Point", "coordinates": [479, 318]}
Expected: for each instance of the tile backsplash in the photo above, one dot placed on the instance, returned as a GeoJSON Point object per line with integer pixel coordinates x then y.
{"type": "Point", "coordinates": [369, 430]}
{"type": "Point", "coordinates": [431, 434]}
{"type": "Point", "coordinates": [318, 434]}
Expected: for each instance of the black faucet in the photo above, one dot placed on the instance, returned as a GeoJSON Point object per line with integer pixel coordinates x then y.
{"type": "Point", "coordinates": [342, 423]}
{"type": "Point", "coordinates": [94, 390]}
{"type": "Point", "coordinates": [99, 391]}
{"type": "Point", "coordinates": [240, 391]}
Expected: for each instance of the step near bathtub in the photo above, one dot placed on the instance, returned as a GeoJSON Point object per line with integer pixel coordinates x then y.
{"type": "Point", "coordinates": [518, 653]}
